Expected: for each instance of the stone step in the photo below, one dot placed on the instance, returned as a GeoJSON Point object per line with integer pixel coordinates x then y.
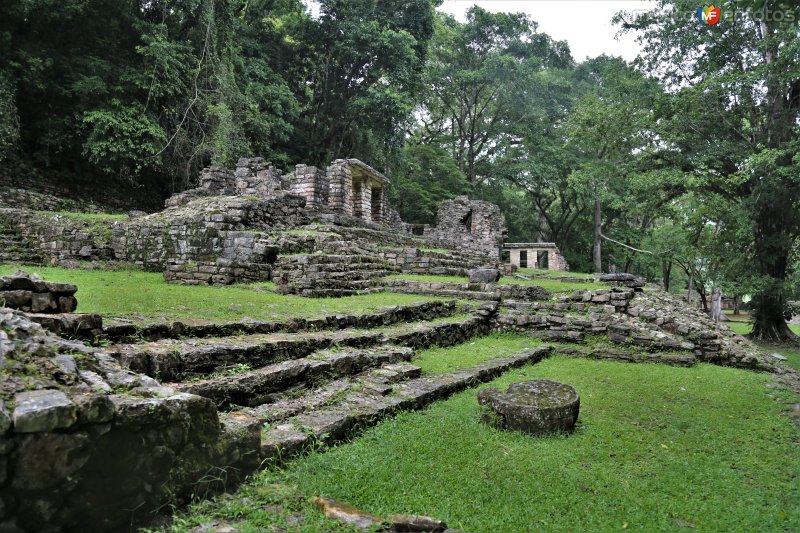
{"type": "Point", "coordinates": [121, 330]}
{"type": "Point", "coordinates": [684, 359]}
{"type": "Point", "coordinates": [327, 259]}
{"type": "Point", "coordinates": [176, 360]}
{"type": "Point", "coordinates": [342, 408]}
{"type": "Point", "coordinates": [251, 388]}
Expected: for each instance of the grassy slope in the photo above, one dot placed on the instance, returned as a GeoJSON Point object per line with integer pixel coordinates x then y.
{"type": "Point", "coordinates": [440, 360]}
{"type": "Point", "coordinates": [657, 448]}
{"type": "Point", "coordinates": [146, 295]}
{"type": "Point", "coordinates": [554, 285]}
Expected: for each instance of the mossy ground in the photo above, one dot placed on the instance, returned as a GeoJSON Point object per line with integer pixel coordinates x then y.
{"type": "Point", "coordinates": [657, 448]}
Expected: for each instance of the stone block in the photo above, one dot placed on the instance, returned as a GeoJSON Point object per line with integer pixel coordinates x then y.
{"type": "Point", "coordinates": [43, 410]}
{"type": "Point", "coordinates": [67, 304]}
{"type": "Point", "coordinates": [43, 302]}
{"type": "Point", "coordinates": [16, 298]}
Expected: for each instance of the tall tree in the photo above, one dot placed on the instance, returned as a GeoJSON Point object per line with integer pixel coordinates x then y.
{"type": "Point", "coordinates": [734, 123]}
{"type": "Point", "coordinates": [611, 122]}
{"type": "Point", "coordinates": [366, 58]}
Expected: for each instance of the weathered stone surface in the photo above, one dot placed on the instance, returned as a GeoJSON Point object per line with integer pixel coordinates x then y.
{"type": "Point", "coordinates": [538, 407]}
{"type": "Point", "coordinates": [483, 275]}
{"type": "Point", "coordinates": [5, 418]}
{"type": "Point", "coordinates": [46, 460]}
{"type": "Point", "coordinates": [347, 513]}
{"type": "Point", "coordinates": [415, 523]}
{"type": "Point", "coordinates": [43, 410]}
{"type": "Point", "coordinates": [29, 293]}
{"type": "Point", "coordinates": [94, 408]}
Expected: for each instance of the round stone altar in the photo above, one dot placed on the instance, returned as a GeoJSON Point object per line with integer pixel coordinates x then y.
{"type": "Point", "coordinates": [538, 407]}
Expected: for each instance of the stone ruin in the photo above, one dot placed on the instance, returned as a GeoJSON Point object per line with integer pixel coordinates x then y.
{"type": "Point", "coordinates": [536, 255]}
{"type": "Point", "coordinates": [470, 224]}
{"type": "Point", "coordinates": [30, 293]}
{"type": "Point", "coordinates": [314, 232]}
{"type": "Point", "coordinates": [537, 407]}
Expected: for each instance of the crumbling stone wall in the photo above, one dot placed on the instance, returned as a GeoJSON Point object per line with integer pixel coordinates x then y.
{"type": "Point", "coordinates": [211, 240]}
{"type": "Point", "coordinates": [253, 177]}
{"type": "Point", "coordinates": [60, 239]}
{"type": "Point", "coordinates": [310, 183]}
{"type": "Point", "coordinates": [30, 293]}
{"type": "Point", "coordinates": [71, 419]}
{"type": "Point", "coordinates": [470, 224]}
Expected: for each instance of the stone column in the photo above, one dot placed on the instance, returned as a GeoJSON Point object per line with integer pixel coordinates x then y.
{"type": "Point", "coordinates": [514, 257]}
{"type": "Point", "coordinates": [340, 178]}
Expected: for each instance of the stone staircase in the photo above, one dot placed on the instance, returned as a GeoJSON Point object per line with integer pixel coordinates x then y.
{"type": "Point", "coordinates": [14, 248]}
{"type": "Point", "coordinates": [323, 274]}
{"type": "Point", "coordinates": [330, 260]}
{"type": "Point", "coordinates": [310, 380]}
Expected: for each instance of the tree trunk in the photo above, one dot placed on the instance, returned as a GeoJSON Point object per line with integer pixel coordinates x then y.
{"type": "Point", "coordinates": [666, 270]}
{"type": "Point", "coordinates": [716, 304]}
{"type": "Point", "coordinates": [689, 294]}
{"type": "Point", "coordinates": [596, 249]}
{"type": "Point", "coordinates": [773, 247]}
{"type": "Point", "coordinates": [703, 299]}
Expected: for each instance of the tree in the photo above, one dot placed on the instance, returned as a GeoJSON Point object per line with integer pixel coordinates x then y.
{"type": "Point", "coordinates": [479, 81]}
{"type": "Point", "coordinates": [733, 124]}
{"type": "Point", "coordinates": [610, 123]}
{"type": "Point", "coordinates": [365, 61]}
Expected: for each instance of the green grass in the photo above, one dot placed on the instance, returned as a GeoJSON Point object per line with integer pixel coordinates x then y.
{"type": "Point", "coordinates": [441, 360]}
{"type": "Point", "coordinates": [554, 285]}
{"type": "Point", "coordinates": [551, 285]}
{"type": "Point", "coordinates": [657, 448]}
{"type": "Point", "coordinates": [538, 272]}
{"type": "Point", "coordinates": [85, 216]}
{"type": "Point", "coordinates": [145, 295]}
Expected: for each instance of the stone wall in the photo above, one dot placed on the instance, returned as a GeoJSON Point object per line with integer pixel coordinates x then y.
{"type": "Point", "coordinates": [71, 419]}
{"type": "Point", "coordinates": [531, 251]}
{"type": "Point", "coordinates": [310, 183]}
{"type": "Point", "coordinates": [60, 239]}
{"type": "Point", "coordinates": [473, 225]}
{"type": "Point", "coordinates": [225, 233]}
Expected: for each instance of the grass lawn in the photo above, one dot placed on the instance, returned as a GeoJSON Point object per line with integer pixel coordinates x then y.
{"type": "Point", "coordinates": [76, 215]}
{"type": "Point", "coordinates": [543, 273]}
{"type": "Point", "coordinates": [441, 360]}
{"type": "Point", "coordinates": [430, 278]}
{"type": "Point", "coordinates": [148, 296]}
{"type": "Point", "coordinates": [656, 448]}
{"type": "Point", "coordinates": [552, 285]}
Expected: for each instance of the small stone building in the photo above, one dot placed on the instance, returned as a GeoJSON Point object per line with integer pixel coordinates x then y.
{"type": "Point", "coordinates": [536, 255]}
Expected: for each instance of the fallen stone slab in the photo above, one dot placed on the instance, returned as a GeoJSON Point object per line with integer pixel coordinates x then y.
{"type": "Point", "coordinates": [402, 523]}
{"type": "Point", "coordinates": [483, 275]}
